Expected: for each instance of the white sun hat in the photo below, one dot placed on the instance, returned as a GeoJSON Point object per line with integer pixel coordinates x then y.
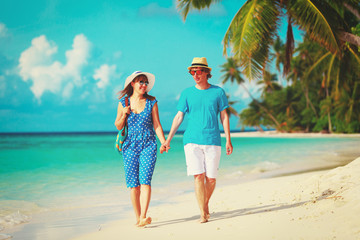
{"type": "Point", "coordinates": [150, 77]}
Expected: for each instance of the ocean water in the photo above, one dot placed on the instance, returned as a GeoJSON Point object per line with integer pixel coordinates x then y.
{"type": "Point", "coordinates": [67, 182]}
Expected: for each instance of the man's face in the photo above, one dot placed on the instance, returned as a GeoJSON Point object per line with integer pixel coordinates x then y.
{"type": "Point", "coordinates": [199, 75]}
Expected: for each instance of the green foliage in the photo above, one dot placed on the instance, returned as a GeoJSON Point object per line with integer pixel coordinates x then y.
{"type": "Point", "coordinates": [323, 91]}
{"type": "Point", "coordinates": [321, 124]}
{"type": "Point", "coordinates": [185, 6]}
{"type": "Point", "coordinates": [250, 34]}
{"type": "Point", "coordinates": [318, 99]}
{"type": "Point", "coordinates": [356, 30]}
{"type": "Point", "coordinates": [343, 127]}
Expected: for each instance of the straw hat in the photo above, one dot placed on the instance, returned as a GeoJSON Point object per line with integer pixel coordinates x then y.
{"type": "Point", "coordinates": [199, 62]}
{"type": "Point", "coordinates": [150, 77]}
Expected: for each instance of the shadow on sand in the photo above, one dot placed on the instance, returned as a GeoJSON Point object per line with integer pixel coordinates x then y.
{"type": "Point", "coordinates": [230, 214]}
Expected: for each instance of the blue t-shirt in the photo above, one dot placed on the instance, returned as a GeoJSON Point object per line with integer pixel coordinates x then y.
{"type": "Point", "coordinates": [202, 108]}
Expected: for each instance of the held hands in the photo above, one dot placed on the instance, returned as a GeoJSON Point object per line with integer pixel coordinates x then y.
{"type": "Point", "coordinates": [164, 147]}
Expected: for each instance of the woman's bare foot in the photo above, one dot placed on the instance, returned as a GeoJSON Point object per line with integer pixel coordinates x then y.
{"type": "Point", "coordinates": [144, 222]}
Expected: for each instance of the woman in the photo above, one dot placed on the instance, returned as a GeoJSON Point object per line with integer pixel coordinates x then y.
{"type": "Point", "coordinates": [139, 148]}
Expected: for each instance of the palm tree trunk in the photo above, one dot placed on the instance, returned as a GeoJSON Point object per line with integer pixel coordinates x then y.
{"type": "Point", "coordinates": [329, 110]}
{"type": "Point", "coordinates": [349, 37]}
{"type": "Point", "coordinates": [308, 101]}
{"type": "Point", "coordinates": [352, 10]}
{"type": "Point", "coordinates": [263, 108]}
{"type": "Point", "coordinates": [329, 120]}
{"type": "Point", "coordinates": [260, 128]}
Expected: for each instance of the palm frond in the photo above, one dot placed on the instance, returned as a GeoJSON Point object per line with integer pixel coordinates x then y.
{"type": "Point", "coordinates": [337, 93]}
{"type": "Point", "coordinates": [331, 64]}
{"type": "Point", "coordinates": [354, 54]}
{"type": "Point", "coordinates": [249, 35]}
{"type": "Point", "coordinates": [184, 6]}
{"type": "Point", "coordinates": [316, 64]}
{"type": "Point", "coordinates": [319, 20]}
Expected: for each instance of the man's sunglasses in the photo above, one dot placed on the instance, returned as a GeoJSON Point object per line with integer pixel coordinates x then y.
{"type": "Point", "coordinates": [198, 72]}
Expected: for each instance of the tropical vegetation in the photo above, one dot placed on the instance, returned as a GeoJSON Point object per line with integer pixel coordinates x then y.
{"type": "Point", "coordinates": [322, 90]}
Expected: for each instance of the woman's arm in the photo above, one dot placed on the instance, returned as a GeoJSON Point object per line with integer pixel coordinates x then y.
{"type": "Point", "coordinates": [178, 119]}
{"type": "Point", "coordinates": [157, 125]}
{"type": "Point", "coordinates": [121, 116]}
{"type": "Point", "coordinates": [225, 122]}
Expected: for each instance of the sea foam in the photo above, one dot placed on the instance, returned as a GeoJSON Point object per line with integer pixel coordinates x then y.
{"type": "Point", "coordinates": [265, 167]}
{"type": "Point", "coordinates": [13, 219]}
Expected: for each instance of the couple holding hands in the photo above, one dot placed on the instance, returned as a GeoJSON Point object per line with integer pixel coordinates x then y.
{"type": "Point", "coordinates": [202, 145]}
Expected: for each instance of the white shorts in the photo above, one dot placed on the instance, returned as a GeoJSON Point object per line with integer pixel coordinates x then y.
{"type": "Point", "coordinates": [202, 159]}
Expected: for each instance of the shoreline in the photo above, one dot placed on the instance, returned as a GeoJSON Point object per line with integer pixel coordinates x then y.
{"type": "Point", "coordinates": [312, 205]}
{"type": "Point", "coordinates": [274, 133]}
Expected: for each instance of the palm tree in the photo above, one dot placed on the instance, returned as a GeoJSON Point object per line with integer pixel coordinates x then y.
{"type": "Point", "coordinates": [252, 116]}
{"type": "Point", "coordinates": [232, 74]}
{"type": "Point", "coordinates": [269, 83]}
{"type": "Point", "coordinates": [279, 53]}
{"type": "Point", "coordinates": [285, 103]}
{"type": "Point", "coordinates": [231, 110]}
{"type": "Point", "coordinates": [307, 53]}
{"type": "Point", "coordinates": [326, 106]}
{"type": "Point", "coordinates": [348, 106]}
{"type": "Point", "coordinates": [253, 28]}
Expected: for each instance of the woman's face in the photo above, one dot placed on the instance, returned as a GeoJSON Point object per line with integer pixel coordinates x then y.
{"type": "Point", "coordinates": [140, 85]}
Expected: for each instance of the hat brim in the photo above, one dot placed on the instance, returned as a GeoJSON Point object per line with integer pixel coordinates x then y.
{"type": "Point", "coordinates": [195, 66]}
{"type": "Point", "coordinates": [150, 77]}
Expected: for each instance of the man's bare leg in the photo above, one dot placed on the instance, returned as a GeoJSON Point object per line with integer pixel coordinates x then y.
{"type": "Point", "coordinates": [200, 193]}
{"type": "Point", "coordinates": [209, 189]}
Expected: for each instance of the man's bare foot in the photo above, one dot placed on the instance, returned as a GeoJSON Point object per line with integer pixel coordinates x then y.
{"type": "Point", "coordinates": [144, 222]}
{"type": "Point", "coordinates": [203, 220]}
{"type": "Point", "coordinates": [207, 212]}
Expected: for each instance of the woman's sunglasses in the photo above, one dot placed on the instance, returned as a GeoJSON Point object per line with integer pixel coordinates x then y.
{"type": "Point", "coordinates": [143, 82]}
{"type": "Point", "coordinates": [198, 72]}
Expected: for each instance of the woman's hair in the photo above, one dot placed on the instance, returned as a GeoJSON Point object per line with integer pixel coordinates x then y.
{"type": "Point", "coordinates": [129, 89]}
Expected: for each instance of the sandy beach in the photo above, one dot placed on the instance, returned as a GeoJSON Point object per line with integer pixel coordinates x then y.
{"type": "Point", "coordinates": [313, 205]}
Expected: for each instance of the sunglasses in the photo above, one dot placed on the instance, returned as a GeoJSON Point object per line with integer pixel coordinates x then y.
{"type": "Point", "coordinates": [198, 72]}
{"type": "Point", "coordinates": [143, 82]}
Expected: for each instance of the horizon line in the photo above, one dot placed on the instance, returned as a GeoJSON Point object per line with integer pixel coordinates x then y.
{"type": "Point", "coordinates": [101, 132]}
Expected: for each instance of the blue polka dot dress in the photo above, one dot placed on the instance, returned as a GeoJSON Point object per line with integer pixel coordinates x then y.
{"type": "Point", "coordinates": [140, 147]}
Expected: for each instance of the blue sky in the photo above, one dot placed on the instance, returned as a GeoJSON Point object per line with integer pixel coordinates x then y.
{"type": "Point", "coordinates": [62, 62]}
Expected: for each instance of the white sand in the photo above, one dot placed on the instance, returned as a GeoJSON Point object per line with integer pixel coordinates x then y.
{"type": "Point", "coordinates": [316, 205]}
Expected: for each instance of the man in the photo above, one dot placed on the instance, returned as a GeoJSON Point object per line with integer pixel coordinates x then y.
{"type": "Point", "coordinates": [202, 143]}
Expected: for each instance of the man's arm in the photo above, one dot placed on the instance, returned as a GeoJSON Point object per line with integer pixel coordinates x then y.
{"type": "Point", "coordinates": [178, 119]}
{"type": "Point", "coordinates": [226, 124]}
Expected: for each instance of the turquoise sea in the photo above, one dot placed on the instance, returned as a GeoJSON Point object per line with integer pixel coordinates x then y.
{"type": "Point", "coordinates": [69, 183]}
